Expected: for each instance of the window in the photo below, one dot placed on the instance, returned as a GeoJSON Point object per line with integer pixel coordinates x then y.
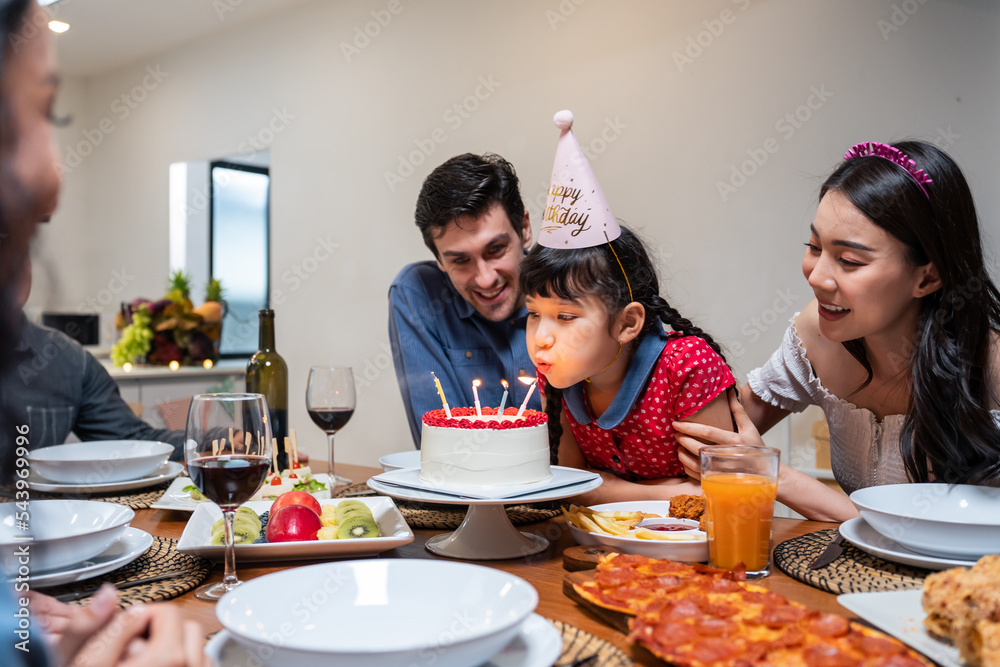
{"type": "Point", "coordinates": [239, 253]}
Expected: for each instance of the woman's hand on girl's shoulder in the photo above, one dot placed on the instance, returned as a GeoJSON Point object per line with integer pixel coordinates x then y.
{"type": "Point", "coordinates": [692, 436]}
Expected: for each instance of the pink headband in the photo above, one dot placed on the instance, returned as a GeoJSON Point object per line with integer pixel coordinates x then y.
{"type": "Point", "coordinates": [892, 154]}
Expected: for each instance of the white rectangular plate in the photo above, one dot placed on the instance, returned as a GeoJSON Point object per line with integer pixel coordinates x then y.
{"type": "Point", "coordinates": [395, 532]}
{"type": "Point", "coordinates": [900, 614]}
{"type": "Point", "coordinates": [561, 477]}
{"type": "Point", "coordinates": [175, 498]}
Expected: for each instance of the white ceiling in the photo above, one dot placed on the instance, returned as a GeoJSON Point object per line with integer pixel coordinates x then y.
{"type": "Point", "coordinates": [106, 34]}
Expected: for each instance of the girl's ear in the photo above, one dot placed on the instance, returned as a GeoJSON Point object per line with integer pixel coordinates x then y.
{"type": "Point", "coordinates": [630, 322]}
{"type": "Point", "coordinates": [930, 281]}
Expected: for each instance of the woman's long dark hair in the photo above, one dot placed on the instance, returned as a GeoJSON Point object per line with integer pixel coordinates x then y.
{"type": "Point", "coordinates": [583, 272]}
{"type": "Point", "coordinates": [949, 433]}
{"type": "Point", "coordinates": [16, 227]}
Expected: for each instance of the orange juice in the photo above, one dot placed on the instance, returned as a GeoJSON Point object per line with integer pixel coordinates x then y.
{"type": "Point", "coordinates": [738, 511]}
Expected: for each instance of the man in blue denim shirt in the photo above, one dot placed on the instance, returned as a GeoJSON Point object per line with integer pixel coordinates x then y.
{"type": "Point", "coordinates": [463, 316]}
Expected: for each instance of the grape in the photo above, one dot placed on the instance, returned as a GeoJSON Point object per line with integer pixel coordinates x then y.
{"type": "Point", "coordinates": [136, 339]}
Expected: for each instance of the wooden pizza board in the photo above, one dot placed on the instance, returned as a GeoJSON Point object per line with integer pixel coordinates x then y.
{"type": "Point", "coordinates": [616, 619]}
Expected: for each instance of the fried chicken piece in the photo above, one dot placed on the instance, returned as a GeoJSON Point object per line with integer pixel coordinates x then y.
{"type": "Point", "coordinates": [979, 643]}
{"type": "Point", "coordinates": [955, 600]}
{"type": "Point", "coordinates": [687, 507]}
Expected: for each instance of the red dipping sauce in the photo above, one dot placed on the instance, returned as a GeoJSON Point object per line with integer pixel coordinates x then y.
{"type": "Point", "coordinates": [668, 527]}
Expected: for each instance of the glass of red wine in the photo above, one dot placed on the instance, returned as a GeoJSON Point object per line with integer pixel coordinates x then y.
{"type": "Point", "coordinates": [330, 401]}
{"type": "Point", "coordinates": [228, 453]}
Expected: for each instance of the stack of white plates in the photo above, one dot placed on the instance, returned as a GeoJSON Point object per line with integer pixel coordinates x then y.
{"type": "Point", "coordinates": [52, 542]}
{"type": "Point", "coordinates": [101, 466]}
{"type": "Point", "coordinates": [929, 525]}
{"type": "Point", "coordinates": [385, 613]}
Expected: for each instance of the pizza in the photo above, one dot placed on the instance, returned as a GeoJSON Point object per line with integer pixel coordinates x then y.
{"type": "Point", "coordinates": [696, 616]}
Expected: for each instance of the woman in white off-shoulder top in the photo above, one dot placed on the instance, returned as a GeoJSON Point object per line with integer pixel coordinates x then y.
{"type": "Point", "coordinates": [900, 348]}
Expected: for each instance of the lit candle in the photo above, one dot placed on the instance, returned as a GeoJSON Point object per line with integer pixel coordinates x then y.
{"type": "Point", "coordinates": [503, 401]}
{"type": "Point", "coordinates": [174, 365]}
{"type": "Point", "coordinates": [127, 367]}
{"type": "Point", "coordinates": [532, 382]}
{"type": "Point", "coordinates": [475, 395]}
{"type": "Point", "coordinates": [207, 363]}
{"type": "Point", "coordinates": [444, 401]}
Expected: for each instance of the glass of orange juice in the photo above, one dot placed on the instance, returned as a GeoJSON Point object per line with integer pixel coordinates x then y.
{"type": "Point", "coordinates": [740, 485]}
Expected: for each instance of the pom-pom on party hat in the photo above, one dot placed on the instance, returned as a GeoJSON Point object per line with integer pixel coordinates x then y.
{"type": "Point", "coordinates": [577, 214]}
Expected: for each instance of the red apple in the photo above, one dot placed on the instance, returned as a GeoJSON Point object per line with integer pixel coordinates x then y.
{"type": "Point", "coordinates": [292, 523]}
{"type": "Point", "coordinates": [303, 498]}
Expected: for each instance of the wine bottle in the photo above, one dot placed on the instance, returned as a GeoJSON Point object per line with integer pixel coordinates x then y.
{"type": "Point", "coordinates": [267, 374]}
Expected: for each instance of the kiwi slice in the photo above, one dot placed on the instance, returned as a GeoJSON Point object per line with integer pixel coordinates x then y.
{"type": "Point", "coordinates": [357, 526]}
{"type": "Point", "coordinates": [245, 511]}
{"type": "Point", "coordinates": [240, 520]}
{"type": "Point", "coordinates": [346, 506]}
{"type": "Point", "coordinates": [243, 533]}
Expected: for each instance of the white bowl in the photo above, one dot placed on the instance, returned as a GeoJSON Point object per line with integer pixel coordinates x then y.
{"type": "Point", "coordinates": [400, 460]}
{"type": "Point", "coordinates": [946, 520]}
{"type": "Point", "coordinates": [378, 613]}
{"type": "Point", "coordinates": [688, 551]}
{"type": "Point", "coordinates": [100, 461]}
{"type": "Point", "coordinates": [64, 533]}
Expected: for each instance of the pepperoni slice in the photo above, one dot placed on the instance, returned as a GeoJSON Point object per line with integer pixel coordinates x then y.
{"type": "Point", "coordinates": [625, 560]}
{"type": "Point", "coordinates": [878, 646]}
{"type": "Point", "coordinates": [715, 649]}
{"type": "Point", "coordinates": [714, 627]}
{"type": "Point", "coordinates": [790, 638]}
{"type": "Point", "coordinates": [827, 656]}
{"type": "Point", "coordinates": [720, 610]}
{"type": "Point", "coordinates": [667, 584]}
{"type": "Point", "coordinates": [674, 634]}
{"type": "Point", "coordinates": [723, 586]}
{"type": "Point", "coordinates": [777, 617]}
{"type": "Point", "coordinates": [828, 625]}
{"type": "Point", "coordinates": [627, 593]}
{"type": "Point", "coordinates": [897, 661]}
{"type": "Point", "coordinates": [683, 609]}
{"type": "Point", "coordinates": [667, 567]}
{"type": "Point", "coordinates": [616, 577]}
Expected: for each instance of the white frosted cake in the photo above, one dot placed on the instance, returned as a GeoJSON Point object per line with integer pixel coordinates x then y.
{"type": "Point", "coordinates": [472, 451]}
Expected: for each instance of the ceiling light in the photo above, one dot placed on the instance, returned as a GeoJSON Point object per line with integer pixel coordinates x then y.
{"type": "Point", "coordinates": [58, 26]}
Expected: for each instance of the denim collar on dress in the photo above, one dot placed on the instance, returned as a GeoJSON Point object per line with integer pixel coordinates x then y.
{"type": "Point", "coordinates": [636, 379]}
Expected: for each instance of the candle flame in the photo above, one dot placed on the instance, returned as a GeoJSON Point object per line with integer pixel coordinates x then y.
{"type": "Point", "coordinates": [505, 385]}
{"type": "Point", "coordinates": [527, 380]}
{"type": "Point", "coordinates": [476, 383]}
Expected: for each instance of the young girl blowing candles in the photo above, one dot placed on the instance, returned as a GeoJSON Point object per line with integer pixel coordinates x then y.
{"type": "Point", "coordinates": [613, 379]}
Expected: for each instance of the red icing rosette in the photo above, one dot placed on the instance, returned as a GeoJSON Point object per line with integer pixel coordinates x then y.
{"type": "Point", "coordinates": [528, 419]}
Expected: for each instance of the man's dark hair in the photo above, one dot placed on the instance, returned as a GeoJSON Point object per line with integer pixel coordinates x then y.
{"type": "Point", "coordinates": [467, 185]}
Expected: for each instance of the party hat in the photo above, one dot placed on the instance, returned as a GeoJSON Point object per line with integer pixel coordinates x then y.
{"type": "Point", "coordinates": [576, 213]}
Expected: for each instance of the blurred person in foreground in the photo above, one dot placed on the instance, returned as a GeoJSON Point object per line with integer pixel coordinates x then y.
{"type": "Point", "coordinates": [147, 635]}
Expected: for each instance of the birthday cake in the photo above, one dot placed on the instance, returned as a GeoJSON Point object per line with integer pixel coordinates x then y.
{"type": "Point", "coordinates": [469, 450]}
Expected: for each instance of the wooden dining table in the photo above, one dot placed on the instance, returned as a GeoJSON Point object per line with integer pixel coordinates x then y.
{"type": "Point", "coordinates": [543, 570]}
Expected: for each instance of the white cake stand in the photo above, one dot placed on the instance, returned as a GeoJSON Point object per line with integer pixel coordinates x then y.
{"type": "Point", "coordinates": [487, 532]}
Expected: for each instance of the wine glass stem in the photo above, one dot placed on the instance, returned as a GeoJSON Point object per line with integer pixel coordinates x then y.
{"type": "Point", "coordinates": [229, 579]}
{"type": "Point", "coordinates": [329, 436]}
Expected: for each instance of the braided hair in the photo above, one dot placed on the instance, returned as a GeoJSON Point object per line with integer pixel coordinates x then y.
{"type": "Point", "coordinates": [580, 272]}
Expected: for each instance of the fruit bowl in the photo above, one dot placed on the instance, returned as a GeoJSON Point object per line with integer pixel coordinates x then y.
{"type": "Point", "coordinates": [946, 520]}
{"type": "Point", "coordinates": [378, 613]}
{"type": "Point", "coordinates": [100, 461]}
{"type": "Point", "coordinates": [64, 532]}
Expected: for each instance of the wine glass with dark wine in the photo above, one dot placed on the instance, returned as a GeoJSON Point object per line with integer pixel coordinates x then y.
{"type": "Point", "coordinates": [228, 453]}
{"type": "Point", "coordinates": [330, 401]}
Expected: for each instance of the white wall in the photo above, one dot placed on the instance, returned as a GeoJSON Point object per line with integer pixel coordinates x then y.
{"type": "Point", "coordinates": [665, 134]}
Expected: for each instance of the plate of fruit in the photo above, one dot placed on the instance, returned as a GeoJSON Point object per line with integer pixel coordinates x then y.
{"type": "Point", "coordinates": [298, 526]}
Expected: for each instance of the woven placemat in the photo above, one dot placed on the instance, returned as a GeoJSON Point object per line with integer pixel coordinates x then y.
{"type": "Point", "coordinates": [138, 500]}
{"type": "Point", "coordinates": [160, 558]}
{"type": "Point", "coordinates": [579, 645]}
{"type": "Point", "coordinates": [855, 571]}
{"type": "Point", "coordinates": [446, 517]}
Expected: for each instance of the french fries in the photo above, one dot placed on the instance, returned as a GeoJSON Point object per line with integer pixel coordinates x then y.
{"type": "Point", "coordinates": [621, 524]}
